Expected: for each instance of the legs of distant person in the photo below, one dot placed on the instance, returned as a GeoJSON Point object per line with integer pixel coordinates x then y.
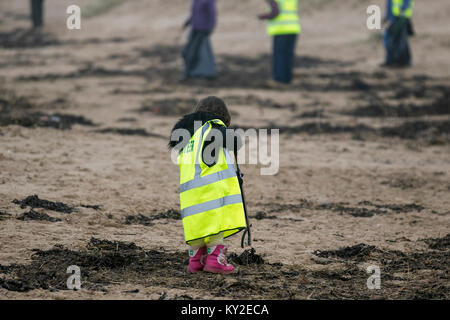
{"type": "Point", "coordinates": [37, 12]}
{"type": "Point", "coordinates": [191, 51]}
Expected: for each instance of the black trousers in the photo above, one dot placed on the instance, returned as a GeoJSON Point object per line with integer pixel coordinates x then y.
{"type": "Point", "coordinates": [283, 57]}
{"type": "Point", "coordinates": [37, 12]}
{"type": "Point", "coordinates": [396, 42]}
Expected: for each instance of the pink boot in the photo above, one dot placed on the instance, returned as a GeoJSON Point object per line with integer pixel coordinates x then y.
{"type": "Point", "coordinates": [216, 261]}
{"type": "Point", "coordinates": [196, 259]}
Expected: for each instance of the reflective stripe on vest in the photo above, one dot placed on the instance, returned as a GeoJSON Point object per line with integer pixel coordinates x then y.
{"type": "Point", "coordinates": [210, 197]}
{"type": "Point", "coordinates": [397, 6]}
{"type": "Point", "coordinates": [211, 205]}
{"type": "Point", "coordinates": [287, 21]}
{"type": "Point", "coordinates": [210, 178]}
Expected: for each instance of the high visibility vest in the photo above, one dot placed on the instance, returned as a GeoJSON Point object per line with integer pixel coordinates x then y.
{"type": "Point", "coordinates": [397, 9]}
{"type": "Point", "coordinates": [287, 22]}
{"type": "Point", "coordinates": [210, 197]}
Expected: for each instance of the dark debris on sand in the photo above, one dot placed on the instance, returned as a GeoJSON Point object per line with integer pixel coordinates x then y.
{"type": "Point", "coordinates": [105, 262]}
{"type": "Point", "coordinates": [139, 219]}
{"type": "Point", "coordinates": [311, 114]}
{"type": "Point", "coordinates": [130, 132]}
{"type": "Point", "coordinates": [358, 252]}
{"type": "Point", "coordinates": [393, 260]}
{"type": "Point", "coordinates": [4, 215]}
{"type": "Point", "coordinates": [400, 111]}
{"type": "Point", "coordinates": [164, 53]}
{"type": "Point", "coordinates": [403, 273]}
{"type": "Point", "coordinates": [169, 214]}
{"type": "Point", "coordinates": [95, 207]}
{"type": "Point", "coordinates": [39, 119]}
{"type": "Point", "coordinates": [260, 215]}
{"type": "Point", "coordinates": [127, 119]}
{"type": "Point", "coordinates": [421, 128]}
{"type": "Point", "coordinates": [39, 216]}
{"type": "Point", "coordinates": [168, 107]}
{"type": "Point", "coordinates": [148, 220]}
{"type": "Point", "coordinates": [404, 182]}
{"type": "Point", "coordinates": [26, 38]}
{"type": "Point", "coordinates": [252, 100]}
{"type": "Point", "coordinates": [101, 262]}
{"type": "Point", "coordinates": [365, 209]}
{"type": "Point", "coordinates": [247, 257]}
{"type": "Point", "coordinates": [98, 244]}
{"type": "Point", "coordinates": [439, 243]}
{"type": "Point", "coordinates": [397, 208]}
{"type": "Point", "coordinates": [353, 211]}
{"type": "Point", "coordinates": [34, 202]}
{"type": "Point", "coordinates": [434, 132]}
{"type": "Point", "coordinates": [36, 38]}
{"type": "Point", "coordinates": [21, 111]}
{"type": "Point", "coordinates": [440, 105]}
{"type": "Point", "coordinates": [89, 70]}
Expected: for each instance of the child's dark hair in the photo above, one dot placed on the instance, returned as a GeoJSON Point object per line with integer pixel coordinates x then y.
{"type": "Point", "coordinates": [215, 106]}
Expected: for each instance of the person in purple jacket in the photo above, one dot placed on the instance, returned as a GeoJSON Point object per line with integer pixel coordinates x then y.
{"type": "Point", "coordinates": [198, 54]}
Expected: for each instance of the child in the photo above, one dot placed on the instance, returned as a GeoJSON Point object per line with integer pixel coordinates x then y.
{"type": "Point", "coordinates": [210, 195]}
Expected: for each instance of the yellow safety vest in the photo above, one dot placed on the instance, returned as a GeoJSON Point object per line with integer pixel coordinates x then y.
{"type": "Point", "coordinates": [397, 9]}
{"type": "Point", "coordinates": [287, 22]}
{"type": "Point", "coordinates": [210, 197]}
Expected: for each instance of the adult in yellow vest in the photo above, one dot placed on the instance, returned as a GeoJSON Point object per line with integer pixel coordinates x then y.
{"type": "Point", "coordinates": [210, 196]}
{"type": "Point", "coordinates": [398, 14]}
{"type": "Point", "coordinates": [283, 25]}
